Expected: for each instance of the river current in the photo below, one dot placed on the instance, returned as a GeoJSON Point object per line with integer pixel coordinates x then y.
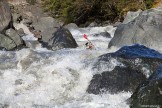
{"type": "Point", "coordinates": [40, 78]}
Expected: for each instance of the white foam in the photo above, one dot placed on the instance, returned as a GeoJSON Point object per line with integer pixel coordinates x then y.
{"type": "Point", "coordinates": [24, 27]}
{"type": "Point", "coordinates": [29, 37]}
{"type": "Point", "coordinates": [55, 79]}
{"type": "Point", "coordinates": [92, 30]}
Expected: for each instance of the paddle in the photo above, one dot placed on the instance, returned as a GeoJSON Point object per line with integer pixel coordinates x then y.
{"type": "Point", "coordinates": [85, 36]}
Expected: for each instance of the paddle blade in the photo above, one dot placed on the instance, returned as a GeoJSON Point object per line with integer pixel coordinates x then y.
{"type": "Point", "coordinates": [85, 36]}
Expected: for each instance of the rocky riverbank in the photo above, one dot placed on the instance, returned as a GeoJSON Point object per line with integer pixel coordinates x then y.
{"type": "Point", "coordinates": [70, 70]}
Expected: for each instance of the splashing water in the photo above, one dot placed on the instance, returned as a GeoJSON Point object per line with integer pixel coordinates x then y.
{"type": "Point", "coordinates": [39, 78]}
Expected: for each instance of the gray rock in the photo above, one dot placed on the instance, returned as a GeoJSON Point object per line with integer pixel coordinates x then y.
{"type": "Point", "coordinates": [62, 38]}
{"type": "Point", "coordinates": [145, 29]}
{"type": "Point", "coordinates": [5, 15]}
{"type": "Point", "coordinates": [18, 82]}
{"type": "Point", "coordinates": [131, 16]}
{"type": "Point", "coordinates": [6, 42]}
{"type": "Point", "coordinates": [14, 36]}
{"type": "Point", "coordinates": [133, 65]}
{"type": "Point", "coordinates": [149, 92]}
{"type": "Point", "coordinates": [117, 80]}
{"type": "Point", "coordinates": [47, 26]}
{"type": "Point", "coordinates": [28, 22]}
{"type": "Point", "coordinates": [10, 40]}
{"type": "Point", "coordinates": [8, 61]}
{"type": "Point", "coordinates": [15, 17]}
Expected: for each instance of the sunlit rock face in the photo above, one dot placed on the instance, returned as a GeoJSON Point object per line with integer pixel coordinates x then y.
{"type": "Point", "coordinates": [124, 69]}
{"type": "Point", "coordinates": [145, 29]}
{"type": "Point", "coordinates": [5, 15]}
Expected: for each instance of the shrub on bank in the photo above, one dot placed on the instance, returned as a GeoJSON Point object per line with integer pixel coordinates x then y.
{"type": "Point", "coordinates": [82, 11]}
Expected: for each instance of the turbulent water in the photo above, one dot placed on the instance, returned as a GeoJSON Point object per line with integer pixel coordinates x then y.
{"type": "Point", "coordinates": [39, 78]}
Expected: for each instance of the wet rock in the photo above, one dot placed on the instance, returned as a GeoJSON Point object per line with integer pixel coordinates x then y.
{"type": "Point", "coordinates": [62, 38]}
{"type": "Point", "coordinates": [8, 61]}
{"type": "Point", "coordinates": [144, 29]}
{"type": "Point", "coordinates": [18, 82]}
{"type": "Point", "coordinates": [124, 69]}
{"type": "Point", "coordinates": [4, 105]}
{"type": "Point", "coordinates": [149, 93]}
{"type": "Point", "coordinates": [37, 34]}
{"type": "Point", "coordinates": [5, 15]}
{"type": "Point", "coordinates": [117, 80]}
{"type": "Point", "coordinates": [30, 58]}
{"type": "Point", "coordinates": [2, 48]}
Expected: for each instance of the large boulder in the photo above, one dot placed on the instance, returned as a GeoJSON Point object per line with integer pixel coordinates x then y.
{"type": "Point", "coordinates": [34, 18]}
{"type": "Point", "coordinates": [145, 29]}
{"type": "Point", "coordinates": [47, 26]}
{"type": "Point", "coordinates": [117, 80]}
{"type": "Point", "coordinates": [149, 93]}
{"type": "Point", "coordinates": [62, 38]}
{"type": "Point", "coordinates": [5, 15]}
{"type": "Point", "coordinates": [124, 69]}
{"type": "Point", "coordinates": [11, 40]}
{"type": "Point", "coordinates": [6, 42]}
{"type": "Point", "coordinates": [131, 16]}
{"type": "Point", "coordinates": [14, 36]}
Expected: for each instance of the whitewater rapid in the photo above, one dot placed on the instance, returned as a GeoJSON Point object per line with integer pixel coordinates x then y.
{"type": "Point", "coordinates": [39, 78]}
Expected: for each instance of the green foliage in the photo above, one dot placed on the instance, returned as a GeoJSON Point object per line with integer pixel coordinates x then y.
{"type": "Point", "coordinates": [149, 3]}
{"type": "Point", "coordinates": [82, 11]}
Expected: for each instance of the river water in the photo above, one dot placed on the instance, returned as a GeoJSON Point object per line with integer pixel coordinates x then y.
{"type": "Point", "coordinates": [39, 78]}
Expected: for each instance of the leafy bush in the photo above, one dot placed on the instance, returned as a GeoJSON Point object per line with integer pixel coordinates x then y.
{"type": "Point", "coordinates": [82, 11]}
